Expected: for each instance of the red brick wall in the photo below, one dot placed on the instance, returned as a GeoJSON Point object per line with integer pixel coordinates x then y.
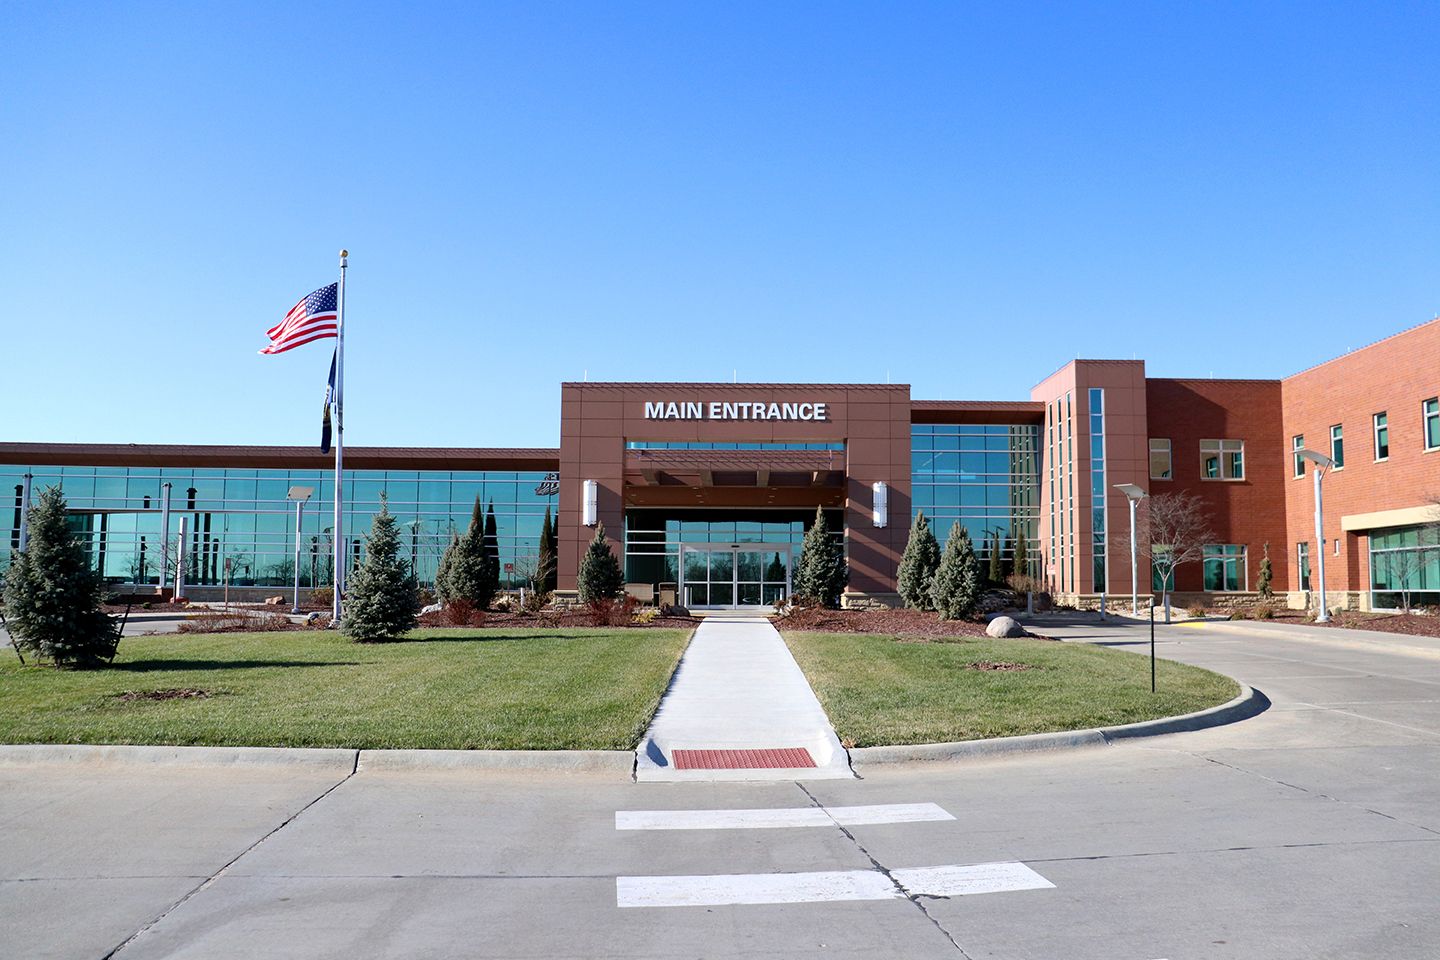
{"type": "Point", "coordinates": [1249, 511]}
{"type": "Point", "coordinates": [1393, 376]}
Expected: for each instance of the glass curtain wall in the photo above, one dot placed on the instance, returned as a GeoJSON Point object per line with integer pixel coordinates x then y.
{"type": "Point", "coordinates": [1098, 527]}
{"type": "Point", "coordinates": [1405, 564]}
{"type": "Point", "coordinates": [244, 516]}
{"type": "Point", "coordinates": [984, 475]}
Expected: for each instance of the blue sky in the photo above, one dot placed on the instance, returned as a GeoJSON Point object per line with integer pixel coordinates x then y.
{"type": "Point", "coordinates": [958, 196]}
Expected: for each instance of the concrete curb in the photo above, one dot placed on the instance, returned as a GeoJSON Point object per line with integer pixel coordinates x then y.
{"type": "Point", "coordinates": [617, 763]}
{"type": "Point", "coordinates": [1249, 703]}
{"type": "Point", "coordinates": [311, 758]}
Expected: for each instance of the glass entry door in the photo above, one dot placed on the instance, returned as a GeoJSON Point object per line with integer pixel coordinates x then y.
{"type": "Point", "coordinates": [749, 576]}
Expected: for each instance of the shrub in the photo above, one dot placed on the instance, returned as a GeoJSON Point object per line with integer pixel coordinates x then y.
{"type": "Point", "coordinates": [918, 564]}
{"type": "Point", "coordinates": [535, 601]}
{"type": "Point", "coordinates": [610, 612]}
{"type": "Point", "coordinates": [1239, 615]}
{"type": "Point", "coordinates": [821, 573]}
{"type": "Point", "coordinates": [466, 568]}
{"type": "Point", "coordinates": [382, 599]}
{"type": "Point", "coordinates": [54, 600]}
{"type": "Point", "coordinates": [1195, 610]}
{"type": "Point", "coordinates": [1264, 612]}
{"type": "Point", "coordinates": [463, 613]}
{"type": "Point", "coordinates": [956, 590]}
{"type": "Point", "coordinates": [322, 596]}
{"type": "Point", "coordinates": [600, 576]}
{"type": "Point", "coordinates": [237, 621]}
{"type": "Point", "coordinates": [424, 597]}
{"type": "Point", "coordinates": [645, 615]}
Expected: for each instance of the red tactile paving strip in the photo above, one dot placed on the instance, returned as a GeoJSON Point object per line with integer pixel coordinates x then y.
{"type": "Point", "coordinates": [780, 757]}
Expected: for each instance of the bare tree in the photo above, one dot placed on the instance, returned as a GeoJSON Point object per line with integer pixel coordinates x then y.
{"type": "Point", "coordinates": [1170, 529]}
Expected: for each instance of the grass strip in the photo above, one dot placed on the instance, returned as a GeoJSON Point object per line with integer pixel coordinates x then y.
{"type": "Point", "coordinates": [881, 690]}
{"type": "Point", "coordinates": [521, 689]}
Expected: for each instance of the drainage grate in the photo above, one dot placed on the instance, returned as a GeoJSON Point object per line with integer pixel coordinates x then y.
{"type": "Point", "coordinates": [776, 758]}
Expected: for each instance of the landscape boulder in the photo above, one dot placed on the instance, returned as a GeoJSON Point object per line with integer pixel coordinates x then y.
{"type": "Point", "coordinates": [1005, 627]}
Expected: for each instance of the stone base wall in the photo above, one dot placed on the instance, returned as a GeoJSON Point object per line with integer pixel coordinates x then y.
{"type": "Point", "coordinates": [871, 601]}
{"type": "Point", "coordinates": [1344, 599]}
{"type": "Point", "coordinates": [565, 600]}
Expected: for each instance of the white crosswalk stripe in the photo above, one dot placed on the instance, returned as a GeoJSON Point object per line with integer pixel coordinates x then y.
{"type": "Point", "coordinates": [830, 885]}
{"type": "Point", "coordinates": [762, 819]}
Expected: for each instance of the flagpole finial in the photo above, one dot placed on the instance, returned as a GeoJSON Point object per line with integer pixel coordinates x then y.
{"type": "Point", "coordinates": [344, 253]}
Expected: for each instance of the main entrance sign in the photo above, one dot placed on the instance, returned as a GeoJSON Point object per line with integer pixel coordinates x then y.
{"type": "Point", "coordinates": [720, 410]}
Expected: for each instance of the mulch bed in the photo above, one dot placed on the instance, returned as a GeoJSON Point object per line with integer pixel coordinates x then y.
{"type": "Point", "coordinates": [902, 623]}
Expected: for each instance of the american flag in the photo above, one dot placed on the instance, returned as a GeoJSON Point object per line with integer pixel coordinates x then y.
{"type": "Point", "coordinates": [313, 318]}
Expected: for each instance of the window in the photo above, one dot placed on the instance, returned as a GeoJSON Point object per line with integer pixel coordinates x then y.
{"type": "Point", "coordinates": [1162, 572]}
{"type": "Point", "coordinates": [1222, 459]}
{"type": "Point", "coordinates": [1160, 460]}
{"type": "Point", "coordinates": [1225, 566]}
{"type": "Point", "coordinates": [1337, 445]}
{"type": "Point", "coordinates": [1431, 408]}
{"type": "Point", "coordinates": [1302, 551]}
{"type": "Point", "coordinates": [1382, 438]}
{"type": "Point", "coordinates": [1297, 445]}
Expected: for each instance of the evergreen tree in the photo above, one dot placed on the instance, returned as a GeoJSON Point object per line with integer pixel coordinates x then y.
{"type": "Point", "coordinates": [600, 576]}
{"type": "Point", "coordinates": [467, 575]}
{"type": "Point", "coordinates": [997, 563]}
{"type": "Point", "coordinates": [956, 590]}
{"type": "Point", "coordinates": [1262, 582]}
{"type": "Point", "coordinates": [446, 566]}
{"type": "Point", "coordinates": [1022, 555]}
{"type": "Point", "coordinates": [492, 552]}
{"type": "Point", "coordinates": [918, 564]}
{"type": "Point", "coordinates": [821, 574]}
{"type": "Point", "coordinates": [546, 562]}
{"type": "Point", "coordinates": [53, 598]}
{"type": "Point", "coordinates": [381, 601]}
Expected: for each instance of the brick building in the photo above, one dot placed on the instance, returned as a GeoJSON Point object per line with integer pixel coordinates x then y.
{"type": "Point", "coordinates": [706, 490]}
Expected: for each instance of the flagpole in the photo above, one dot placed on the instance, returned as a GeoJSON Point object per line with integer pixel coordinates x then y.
{"type": "Point", "coordinates": [339, 438]}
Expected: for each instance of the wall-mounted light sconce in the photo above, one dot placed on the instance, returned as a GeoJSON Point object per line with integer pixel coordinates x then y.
{"type": "Point", "coordinates": [591, 507]}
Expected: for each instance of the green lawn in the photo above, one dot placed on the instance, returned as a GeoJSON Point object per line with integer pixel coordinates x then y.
{"type": "Point", "coordinates": [442, 689]}
{"type": "Point", "coordinates": [878, 690]}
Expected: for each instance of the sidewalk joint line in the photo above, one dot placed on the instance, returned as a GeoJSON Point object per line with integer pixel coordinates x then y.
{"type": "Point", "coordinates": [885, 871]}
{"type": "Point", "coordinates": [354, 768]}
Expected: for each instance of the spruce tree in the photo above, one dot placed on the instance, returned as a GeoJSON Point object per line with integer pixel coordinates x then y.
{"type": "Point", "coordinates": [956, 590]}
{"type": "Point", "coordinates": [1021, 562]}
{"type": "Point", "coordinates": [997, 563]}
{"type": "Point", "coordinates": [53, 597]}
{"type": "Point", "coordinates": [821, 574]}
{"type": "Point", "coordinates": [467, 575]}
{"type": "Point", "coordinates": [381, 602]}
{"type": "Point", "coordinates": [600, 576]}
{"type": "Point", "coordinates": [492, 553]}
{"type": "Point", "coordinates": [546, 562]}
{"type": "Point", "coordinates": [918, 564]}
{"type": "Point", "coordinates": [444, 569]}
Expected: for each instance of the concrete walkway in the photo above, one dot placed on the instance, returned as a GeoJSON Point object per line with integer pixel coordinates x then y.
{"type": "Point", "coordinates": [737, 705]}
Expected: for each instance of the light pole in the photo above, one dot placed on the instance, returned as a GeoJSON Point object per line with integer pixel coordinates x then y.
{"type": "Point", "coordinates": [1134, 494]}
{"type": "Point", "coordinates": [299, 495]}
{"type": "Point", "coordinates": [1322, 463]}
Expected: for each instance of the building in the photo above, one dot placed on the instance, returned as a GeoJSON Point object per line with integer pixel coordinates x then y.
{"type": "Point", "coordinates": [706, 490]}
